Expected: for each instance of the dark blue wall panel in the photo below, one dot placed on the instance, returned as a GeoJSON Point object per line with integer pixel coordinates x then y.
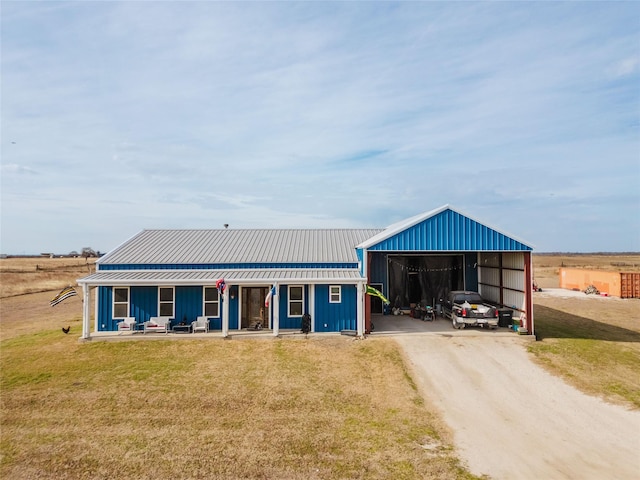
{"type": "Point", "coordinates": [334, 317]}
{"type": "Point", "coordinates": [188, 304]}
{"type": "Point", "coordinates": [105, 298]}
{"type": "Point", "coordinates": [285, 320]}
{"type": "Point", "coordinates": [144, 303]}
{"type": "Point", "coordinates": [233, 309]}
{"type": "Point", "coordinates": [471, 271]}
{"type": "Point", "coordinates": [378, 268]}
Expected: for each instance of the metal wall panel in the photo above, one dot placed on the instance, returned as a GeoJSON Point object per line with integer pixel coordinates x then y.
{"type": "Point", "coordinates": [334, 317]}
{"type": "Point", "coordinates": [105, 298]}
{"type": "Point", "coordinates": [489, 275]}
{"type": "Point", "coordinates": [630, 285]}
{"type": "Point", "coordinates": [490, 293]}
{"type": "Point", "coordinates": [285, 320]}
{"type": "Point", "coordinates": [513, 279]}
{"type": "Point", "coordinates": [378, 268]}
{"type": "Point", "coordinates": [144, 302]}
{"type": "Point", "coordinates": [471, 271]}
{"type": "Point", "coordinates": [234, 309]}
{"type": "Point", "coordinates": [503, 285]}
{"type": "Point", "coordinates": [513, 299]}
{"type": "Point", "coordinates": [513, 260]}
{"type": "Point", "coordinates": [449, 231]}
{"type": "Point", "coordinates": [489, 259]}
{"type": "Point", "coordinates": [188, 304]}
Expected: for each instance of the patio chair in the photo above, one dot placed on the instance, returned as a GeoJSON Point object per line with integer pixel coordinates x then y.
{"type": "Point", "coordinates": [201, 324]}
{"type": "Point", "coordinates": [127, 324]}
{"type": "Point", "coordinates": [157, 324]}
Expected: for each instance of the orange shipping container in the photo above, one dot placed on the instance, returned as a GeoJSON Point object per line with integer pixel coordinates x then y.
{"type": "Point", "coordinates": [630, 285]}
{"type": "Point", "coordinates": [625, 285]}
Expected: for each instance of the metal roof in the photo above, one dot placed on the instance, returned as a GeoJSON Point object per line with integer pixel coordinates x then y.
{"type": "Point", "coordinates": [209, 277]}
{"type": "Point", "coordinates": [239, 246]}
{"type": "Point", "coordinates": [442, 229]}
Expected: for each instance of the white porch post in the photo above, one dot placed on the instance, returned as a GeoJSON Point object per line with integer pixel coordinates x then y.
{"type": "Point", "coordinates": [239, 307]}
{"type": "Point", "coordinates": [312, 306]}
{"type": "Point", "coordinates": [360, 310]}
{"type": "Point", "coordinates": [86, 311]}
{"type": "Point", "coordinates": [95, 311]}
{"type": "Point", "coordinates": [269, 310]}
{"type": "Point", "coordinates": [276, 311]}
{"type": "Point", "coordinates": [225, 312]}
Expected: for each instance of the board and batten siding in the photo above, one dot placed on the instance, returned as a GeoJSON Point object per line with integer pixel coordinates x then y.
{"type": "Point", "coordinates": [143, 304]}
{"type": "Point", "coordinates": [188, 304]}
{"type": "Point", "coordinates": [105, 322]}
{"type": "Point", "coordinates": [334, 317]}
{"type": "Point", "coordinates": [285, 321]}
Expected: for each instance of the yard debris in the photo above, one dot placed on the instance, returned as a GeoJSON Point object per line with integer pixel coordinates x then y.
{"type": "Point", "coordinates": [591, 290]}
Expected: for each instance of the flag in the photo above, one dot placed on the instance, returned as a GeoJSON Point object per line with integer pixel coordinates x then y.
{"type": "Point", "coordinates": [63, 295]}
{"type": "Point", "coordinates": [221, 285]}
{"type": "Point", "coordinates": [376, 293]}
{"type": "Point", "coordinates": [270, 295]}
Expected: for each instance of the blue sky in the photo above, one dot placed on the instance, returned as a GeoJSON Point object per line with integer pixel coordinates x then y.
{"type": "Point", "coordinates": [120, 116]}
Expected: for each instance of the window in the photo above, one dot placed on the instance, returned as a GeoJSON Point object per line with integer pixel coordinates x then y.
{"type": "Point", "coordinates": [211, 302]}
{"type": "Point", "coordinates": [296, 301]}
{"type": "Point", "coordinates": [166, 304]}
{"type": "Point", "coordinates": [120, 302]}
{"type": "Point", "coordinates": [335, 294]}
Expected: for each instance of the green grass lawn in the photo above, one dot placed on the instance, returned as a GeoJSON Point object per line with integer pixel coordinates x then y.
{"type": "Point", "coordinates": [325, 408]}
{"type": "Point", "coordinates": [598, 358]}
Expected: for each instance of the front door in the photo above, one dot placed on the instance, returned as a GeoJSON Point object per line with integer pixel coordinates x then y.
{"type": "Point", "coordinates": [253, 309]}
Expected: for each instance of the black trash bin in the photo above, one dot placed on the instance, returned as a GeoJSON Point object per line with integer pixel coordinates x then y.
{"type": "Point", "coordinates": [505, 316]}
{"type": "Point", "coordinates": [306, 323]}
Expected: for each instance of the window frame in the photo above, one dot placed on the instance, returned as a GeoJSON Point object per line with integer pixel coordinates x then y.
{"type": "Point", "coordinates": [114, 302]}
{"type": "Point", "coordinates": [162, 302]}
{"type": "Point", "coordinates": [291, 302]}
{"type": "Point", "coordinates": [333, 294]}
{"type": "Point", "coordinates": [206, 302]}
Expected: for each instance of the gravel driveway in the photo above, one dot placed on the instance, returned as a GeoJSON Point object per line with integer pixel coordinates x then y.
{"type": "Point", "coordinates": [510, 418]}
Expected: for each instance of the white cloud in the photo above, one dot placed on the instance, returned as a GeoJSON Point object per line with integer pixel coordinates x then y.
{"type": "Point", "coordinates": [147, 114]}
{"type": "Point", "coordinates": [13, 168]}
{"type": "Point", "coordinates": [625, 67]}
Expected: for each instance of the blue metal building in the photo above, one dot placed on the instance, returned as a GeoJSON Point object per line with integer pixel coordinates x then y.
{"type": "Point", "coordinates": [321, 272]}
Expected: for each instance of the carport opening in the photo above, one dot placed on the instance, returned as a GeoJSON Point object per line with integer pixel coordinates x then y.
{"type": "Point", "coordinates": [423, 279]}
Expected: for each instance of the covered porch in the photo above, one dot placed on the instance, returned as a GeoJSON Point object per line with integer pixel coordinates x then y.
{"type": "Point", "coordinates": [238, 302]}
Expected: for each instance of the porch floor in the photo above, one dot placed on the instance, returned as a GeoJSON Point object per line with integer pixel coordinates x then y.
{"type": "Point", "coordinates": [384, 325]}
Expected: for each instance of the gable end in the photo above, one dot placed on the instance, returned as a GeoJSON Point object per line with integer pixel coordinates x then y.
{"type": "Point", "coordinates": [449, 231]}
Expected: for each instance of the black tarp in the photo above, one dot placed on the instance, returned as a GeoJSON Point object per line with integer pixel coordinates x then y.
{"type": "Point", "coordinates": [423, 279]}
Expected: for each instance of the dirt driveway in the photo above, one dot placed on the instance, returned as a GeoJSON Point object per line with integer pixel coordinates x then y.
{"type": "Point", "coordinates": [510, 418]}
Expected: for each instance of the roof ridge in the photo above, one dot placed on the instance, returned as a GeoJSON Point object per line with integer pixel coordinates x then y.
{"type": "Point", "coordinates": [259, 229]}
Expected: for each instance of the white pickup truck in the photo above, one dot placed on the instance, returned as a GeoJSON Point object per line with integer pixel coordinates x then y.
{"type": "Point", "coordinates": [468, 308]}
